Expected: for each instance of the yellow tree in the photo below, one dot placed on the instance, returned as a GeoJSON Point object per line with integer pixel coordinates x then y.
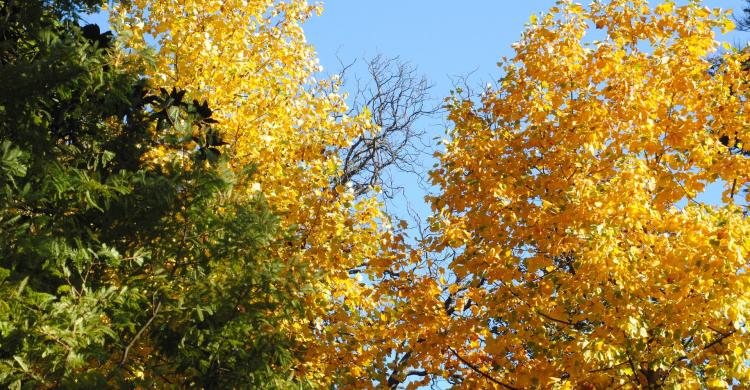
{"type": "Point", "coordinates": [250, 61]}
{"type": "Point", "coordinates": [568, 193]}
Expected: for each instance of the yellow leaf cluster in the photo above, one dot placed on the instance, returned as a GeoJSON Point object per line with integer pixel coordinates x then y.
{"type": "Point", "coordinates": [250, 61]}
{"type": "Point", "coordinates": [569, 196]}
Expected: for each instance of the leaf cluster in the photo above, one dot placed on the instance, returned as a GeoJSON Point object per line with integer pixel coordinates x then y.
{"type": "Point", "coordinates": [116, 271]}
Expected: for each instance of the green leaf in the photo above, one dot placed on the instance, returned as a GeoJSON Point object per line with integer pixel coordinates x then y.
{"type": "Point", "coordinates": [21, 363]}
{"type": "Point", "coordinates": [22, 285]}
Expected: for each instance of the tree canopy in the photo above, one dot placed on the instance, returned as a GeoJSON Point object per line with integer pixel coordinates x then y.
{"type": "Point", "coordinates": [568, 192]}
{"type": "Point", "coordinates": [184, 204]}
{"type": "Point", "coordinates": [116, 271]}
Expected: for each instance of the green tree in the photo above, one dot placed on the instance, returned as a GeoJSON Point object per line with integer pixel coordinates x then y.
{"type": "Point", "coordinates": [117, 269]}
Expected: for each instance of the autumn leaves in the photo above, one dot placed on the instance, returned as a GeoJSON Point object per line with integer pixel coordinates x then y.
{"type": "Point", "coordinates": [560, 206]}
{"type": "Point", "coordinates": [585, 155]}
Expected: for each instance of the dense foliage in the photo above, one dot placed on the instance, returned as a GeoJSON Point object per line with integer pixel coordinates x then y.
{"type": "Point", "coordinates": [569, 192]}
{"type": "Point", "coordinates": [250, 61]}
{"type": "Point", "coordinates": [115, 270]}
{"type": "Point", "coordinates": [175, 211]}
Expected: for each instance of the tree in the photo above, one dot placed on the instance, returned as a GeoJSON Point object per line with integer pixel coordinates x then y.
{"type": "Point", "coordinates": [743, 23]}
{"type": "Point", "coordinates": [396, 98]}
{"type": "Point", "coordinates": [568, 194]}
{"type": "Point", "coordinates": [118, 269]}
{"type": "Point", "coordinates": [249, 60]}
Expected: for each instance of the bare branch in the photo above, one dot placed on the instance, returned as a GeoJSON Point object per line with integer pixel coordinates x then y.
{"type": "Point", "coordinates": [397, 97]}
{"type": "Point", "coordinates": [743, 22]}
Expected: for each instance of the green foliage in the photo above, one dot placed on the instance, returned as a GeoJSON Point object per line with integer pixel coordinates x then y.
{"type": "Point", "coordinates": [116, 271]}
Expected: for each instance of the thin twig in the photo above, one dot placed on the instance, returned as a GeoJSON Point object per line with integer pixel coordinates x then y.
{"type": "Point", "coordinates": [718, 340]}
{"type": "Point", "coordinates": [140, 332]}
{"type": "Point", "coordinates": [480, 372]}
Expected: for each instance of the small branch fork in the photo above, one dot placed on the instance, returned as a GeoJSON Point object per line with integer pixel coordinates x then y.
{"type": "Point", "coordinates": [481, 372]}
{"type": "Point", "coordinates": [138, 335]}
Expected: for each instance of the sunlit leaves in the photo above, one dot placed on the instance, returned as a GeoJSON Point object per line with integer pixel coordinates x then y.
{"type": "Point", "coordinates": [250, 62]}
{"type": "Point", "coordinates": [570, 193]}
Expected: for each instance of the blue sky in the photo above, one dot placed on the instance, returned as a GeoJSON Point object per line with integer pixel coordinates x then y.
{"type": "Point", "coordinates": [443, 39]}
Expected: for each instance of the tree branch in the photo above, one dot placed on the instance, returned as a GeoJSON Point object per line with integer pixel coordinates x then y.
{"type": "Point", "coordinates": [480, 372]}
{"type": "Point", "coordinates": [154, 313]}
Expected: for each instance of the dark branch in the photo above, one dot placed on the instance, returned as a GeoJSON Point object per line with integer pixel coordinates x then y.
{"type": "Point", "coordinates": [480, 372]}
{"type": "Point", "coordinates": [397, 97]}
{"type": "Point", "coordinates": [138, 335]}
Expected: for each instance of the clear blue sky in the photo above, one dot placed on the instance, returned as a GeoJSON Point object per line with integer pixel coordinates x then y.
{"type": "Point", "coordinates": [443, 38]}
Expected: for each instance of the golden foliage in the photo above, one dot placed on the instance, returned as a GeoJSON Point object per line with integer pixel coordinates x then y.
{"type": "Point", "coordinates": [569, 193]}
{"type": "Point", "coordinates": [249, 60]}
